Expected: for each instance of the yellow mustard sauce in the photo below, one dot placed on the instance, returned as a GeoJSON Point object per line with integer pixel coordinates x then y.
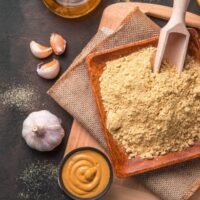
{"type": "Point", "coordinates": [86, 174]}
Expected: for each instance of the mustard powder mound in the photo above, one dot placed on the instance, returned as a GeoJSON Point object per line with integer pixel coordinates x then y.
{"type": "Point", "coordinates": [151, 115]}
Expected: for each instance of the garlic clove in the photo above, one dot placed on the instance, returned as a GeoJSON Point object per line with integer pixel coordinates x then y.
{"type": "Point", "coordinates": [39, 50]}
{"type": "Point", "coordinates": [49, 70]}
{"type": "Point", "coordinates": [58, 43]}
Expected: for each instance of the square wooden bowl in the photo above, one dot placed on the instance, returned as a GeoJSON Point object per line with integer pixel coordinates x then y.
{"type": "Point", "coordinates": [123, 166]}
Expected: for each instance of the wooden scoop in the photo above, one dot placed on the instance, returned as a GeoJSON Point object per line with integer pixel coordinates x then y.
{"type": "Point", "coordinates": [174, 38]}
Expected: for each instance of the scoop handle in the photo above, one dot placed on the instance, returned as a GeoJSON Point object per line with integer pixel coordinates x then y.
{"type": "Point", "coordinates": [179, 10]}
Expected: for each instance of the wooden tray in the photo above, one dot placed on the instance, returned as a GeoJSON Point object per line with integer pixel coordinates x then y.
{"type": "Point", "coordinates": [128, 188]}
{"type": "Point", "coordinates": [122, 165]}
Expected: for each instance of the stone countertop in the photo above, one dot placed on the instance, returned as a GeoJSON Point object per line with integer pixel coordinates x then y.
{"type": "Point", "coordinates": [25, 174]}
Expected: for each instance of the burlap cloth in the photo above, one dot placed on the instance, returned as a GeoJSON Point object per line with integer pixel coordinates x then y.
{"type": "Point", "coordinates": [73, 92]}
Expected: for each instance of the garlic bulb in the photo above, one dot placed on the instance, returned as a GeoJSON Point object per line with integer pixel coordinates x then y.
{"type": "Point", "coordinates": [49, 70]}
{"type": "Point", "coordinates": [39, 50]}
{"type": "Point", "coordinates": [58, 43]}
{"type": "Point", "coordinates": [42, 131]}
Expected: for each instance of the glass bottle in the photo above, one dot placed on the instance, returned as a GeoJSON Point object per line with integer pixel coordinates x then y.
{"type": "Point", "coordinates": [71, 8]}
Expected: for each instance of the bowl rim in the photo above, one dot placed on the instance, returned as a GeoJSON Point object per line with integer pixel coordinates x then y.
{"type": "Point", "coordinates": [67, 156]}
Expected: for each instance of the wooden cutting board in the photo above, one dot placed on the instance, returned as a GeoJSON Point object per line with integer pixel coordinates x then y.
{"type": "Point", "coordinates": [122, 189]}
{"type": "Point", "coordinates": [129, 188]}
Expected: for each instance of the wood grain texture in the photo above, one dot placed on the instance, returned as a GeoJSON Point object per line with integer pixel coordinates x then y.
{"type": "Point", "coordinates": [154, 10]}
{"type": "Point", "coordinates": [79, 137]}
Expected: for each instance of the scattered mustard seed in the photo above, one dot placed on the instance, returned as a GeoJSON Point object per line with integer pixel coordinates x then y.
{"type": "Point", "coordinates": [22, 97]}
{"type": "Point", "coordinates": [38, 181]}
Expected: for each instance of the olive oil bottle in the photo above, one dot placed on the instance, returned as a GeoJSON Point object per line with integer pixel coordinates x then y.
{"type": "Point", "coordinates": [71, 8]}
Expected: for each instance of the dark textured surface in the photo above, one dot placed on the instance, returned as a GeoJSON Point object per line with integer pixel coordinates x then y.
{"type": "Point", "coordinates": [22, 21]}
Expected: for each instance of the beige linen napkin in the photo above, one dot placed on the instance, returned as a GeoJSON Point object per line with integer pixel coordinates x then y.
{"type": "Point", "coordinates": [73, 92]}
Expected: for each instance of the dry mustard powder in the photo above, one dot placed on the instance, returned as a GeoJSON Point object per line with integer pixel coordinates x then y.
{"type": "Point", "coordinates": [150, 115]}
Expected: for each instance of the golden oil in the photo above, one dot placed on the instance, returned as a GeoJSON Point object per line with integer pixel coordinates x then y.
{"type": "Point", "coordinates": [71, 8]}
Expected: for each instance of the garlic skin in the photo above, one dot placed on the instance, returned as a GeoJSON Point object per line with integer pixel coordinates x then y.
{"type": "Point", "coordinates": [40, 51]}
{"type": "Point", "coordinates": [49, 70]}
{"type": "Point", "coordinates": [58, 43]}
{"type": "Point", "coordinates": [42, 131]}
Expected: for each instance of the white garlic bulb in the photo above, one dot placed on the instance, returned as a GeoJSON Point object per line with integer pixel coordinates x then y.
{"type": "Point", "coordinates": [42, 130]}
